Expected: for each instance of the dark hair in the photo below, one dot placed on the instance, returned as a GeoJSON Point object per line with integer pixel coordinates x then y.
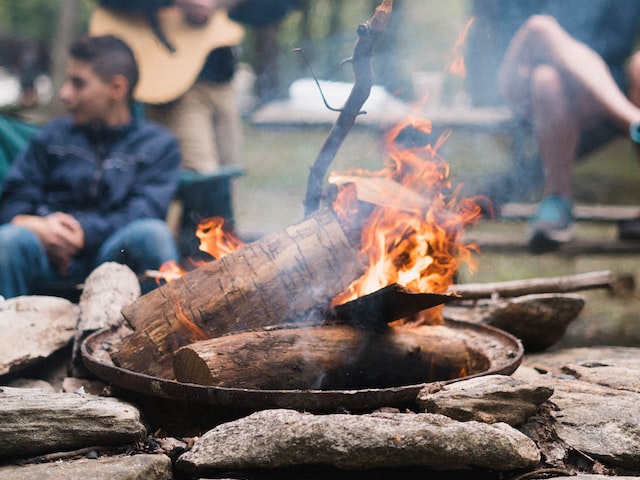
{"type": "Point", "coordinates": [109, 56]}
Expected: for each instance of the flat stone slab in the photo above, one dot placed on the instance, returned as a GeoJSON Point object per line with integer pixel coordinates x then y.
{"type": "Point", "coordinates": [135, 467]}
{"type": "Point", "coordinates": [35, 422]}
{"type": "Point", "coordinates": [33, 328]}
{"type": "Point", "coordinates": [596, 400]}
{"type": "Point", "coordinates": [284, 438]}
{"type": "Point", "coordinates": [488, 399]}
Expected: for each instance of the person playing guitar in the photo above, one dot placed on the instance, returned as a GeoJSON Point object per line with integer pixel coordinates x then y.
{"type": "Point", "coordinates": [187, 52]}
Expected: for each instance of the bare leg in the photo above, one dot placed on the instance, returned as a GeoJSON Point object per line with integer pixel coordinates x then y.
{"type": "Point", "coordinates": [541, 40]}
{"type": "Point", "coordinates": [556, 129]}
{"type": "Point", "coordinates": [634, 78]}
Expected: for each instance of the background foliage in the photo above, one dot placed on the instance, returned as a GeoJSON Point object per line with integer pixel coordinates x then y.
{"type": "Point", "coordinates": [425, 30]}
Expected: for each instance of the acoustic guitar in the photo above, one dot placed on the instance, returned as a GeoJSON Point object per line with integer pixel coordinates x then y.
{"type": "Point", "coordinates": [168, 66]}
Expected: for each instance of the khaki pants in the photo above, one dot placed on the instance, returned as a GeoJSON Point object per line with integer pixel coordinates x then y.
{"type": "Point", "coordinates": [207, 123]}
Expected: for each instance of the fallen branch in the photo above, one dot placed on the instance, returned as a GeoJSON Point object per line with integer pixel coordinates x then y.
{"type": "Point", "coordinates": [516, 288]}
{"type": "Point", "coordinates": [368, 34]}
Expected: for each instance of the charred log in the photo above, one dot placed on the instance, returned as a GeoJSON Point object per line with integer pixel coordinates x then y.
{"type": "Point", "coordinates": [326, 357]}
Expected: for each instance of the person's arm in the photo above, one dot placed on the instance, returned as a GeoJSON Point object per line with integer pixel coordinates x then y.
{"type": "Point", "coordinates": [23, 187]}
{"type": "Point", "coordinates": [61, 236]}
{"type": "Point", "coordinates": [22, 204]}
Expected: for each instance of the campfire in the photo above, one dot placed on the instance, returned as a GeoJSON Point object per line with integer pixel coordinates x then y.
{"type": "Point", "coordinates": [350, 298]}
{"type": "Point", "coordinates": [325, 347]}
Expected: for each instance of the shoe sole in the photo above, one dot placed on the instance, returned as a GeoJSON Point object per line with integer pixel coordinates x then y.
{"type": "Point", "coordinates": [541, 241]}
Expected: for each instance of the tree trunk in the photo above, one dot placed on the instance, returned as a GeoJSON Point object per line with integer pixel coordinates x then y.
{"type": "Point", "coordinates": [267, 63]}
{"type": "Point", "coordinates": [330, 357]}
{"type": "Point", "coordinates": [282, 277]}
{"type": "Point", "coordinates": [66, 31]}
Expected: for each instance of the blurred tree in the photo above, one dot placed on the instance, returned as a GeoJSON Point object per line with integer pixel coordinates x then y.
{"type": "Point", "coordinates": [420, 35]}
{"type": "Point", "coordinates": [68, 27]}
{"type": "Point", "coordinates": [35, 37]}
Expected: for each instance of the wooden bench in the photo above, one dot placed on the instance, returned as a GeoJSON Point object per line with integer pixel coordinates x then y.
{"type": "Point", "coordinates": [596, 230]}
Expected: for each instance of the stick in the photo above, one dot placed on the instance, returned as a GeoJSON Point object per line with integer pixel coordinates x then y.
{"type": "Point", "coordinates": [516, 288]}
{"type": "Point", "coordinates": [368, 34]}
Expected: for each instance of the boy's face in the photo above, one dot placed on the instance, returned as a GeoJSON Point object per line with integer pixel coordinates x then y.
{"type": "Point", "coordinates": [87, 98]}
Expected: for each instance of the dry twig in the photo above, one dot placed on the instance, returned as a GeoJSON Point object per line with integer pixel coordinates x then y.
{"type": "Point", "coordinates": [368, 34]}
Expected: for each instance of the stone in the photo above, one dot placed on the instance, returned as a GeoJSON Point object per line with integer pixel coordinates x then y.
{"type": "Point", "coordinates": [283, 438]}
{"type": "Point", "coordinates": [33, 328]}
{"type": "Point", "coordinates": [106, 290]}
{"type": "Point", "coordinates": [596, 406]}
{"type": "Point", "coordinates": [134, 467]}
{"type": "Point", "coordinates": [489, 399]}
{"type": "Point", "coordinates": [35, 422]}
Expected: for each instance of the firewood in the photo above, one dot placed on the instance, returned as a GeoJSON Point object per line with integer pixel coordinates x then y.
{"type": "Point", "coordinates": [515, 288]}
{"type": "Point", "coordinates": [288, 274]}
{"type": "Point", "coordinates": [325, 357]}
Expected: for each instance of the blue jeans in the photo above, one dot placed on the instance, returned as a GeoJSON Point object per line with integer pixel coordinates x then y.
{"type": "Point", "coordinates": [24, 267]}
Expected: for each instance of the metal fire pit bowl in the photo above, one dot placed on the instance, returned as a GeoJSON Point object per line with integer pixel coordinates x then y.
{"type": "Point", "coordinates": [492, 351]}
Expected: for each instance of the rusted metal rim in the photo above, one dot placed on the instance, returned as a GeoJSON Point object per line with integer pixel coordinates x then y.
{"type": "Point", "coordinates": [498, 351]}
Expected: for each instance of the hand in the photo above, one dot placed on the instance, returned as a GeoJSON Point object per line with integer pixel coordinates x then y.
{"type": "Point", "coordinates": [61, 235]}
{"type": "Point", "coordinates": [197, 12]}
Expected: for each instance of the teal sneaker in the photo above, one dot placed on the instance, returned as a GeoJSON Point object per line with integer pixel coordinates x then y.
{"type": "Point", "coordinates": [552, 225]}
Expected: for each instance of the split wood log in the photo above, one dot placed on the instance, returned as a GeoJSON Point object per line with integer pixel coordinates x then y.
{"type": "Point", "coordinates": [515, 288]}
{"type": "Point", "coordinates": [284, 276]}
{"type": "Point", "coordinates": [329, 357]}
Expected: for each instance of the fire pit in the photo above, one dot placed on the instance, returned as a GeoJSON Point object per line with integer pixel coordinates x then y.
{"type": "Point", "coordinates": [489, 350]}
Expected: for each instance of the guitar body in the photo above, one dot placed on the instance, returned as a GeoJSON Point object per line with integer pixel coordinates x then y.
{"type": "Point", "coordinates": [165, 75]}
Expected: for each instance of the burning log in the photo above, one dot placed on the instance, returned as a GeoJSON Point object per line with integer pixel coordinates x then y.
{"type": "Point", "coordinates": [329, 357]}
{"type": "Point", "coordinates": [287, 275]}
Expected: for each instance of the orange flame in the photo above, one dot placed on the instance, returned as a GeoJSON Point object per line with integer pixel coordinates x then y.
{"type": "Point", "coordinates": [456, 65]}
{"type": "Point", "coordinates": [169, 271]}
{"type": "Point", "coordinates": [216, 239]}
{"type": "Point", "coordinates": [196, 333]}
{"type": "Point", "coordinates": [415, 244]}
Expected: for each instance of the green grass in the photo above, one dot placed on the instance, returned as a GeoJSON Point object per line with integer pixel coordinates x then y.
{"type": "Point", "coordinates": [270, 198]}
{"type": "Point", "coordinates": [277, 161]}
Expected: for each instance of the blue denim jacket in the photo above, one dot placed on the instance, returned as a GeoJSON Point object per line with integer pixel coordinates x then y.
{"type": "Point", "coordinates": [104, 178]}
